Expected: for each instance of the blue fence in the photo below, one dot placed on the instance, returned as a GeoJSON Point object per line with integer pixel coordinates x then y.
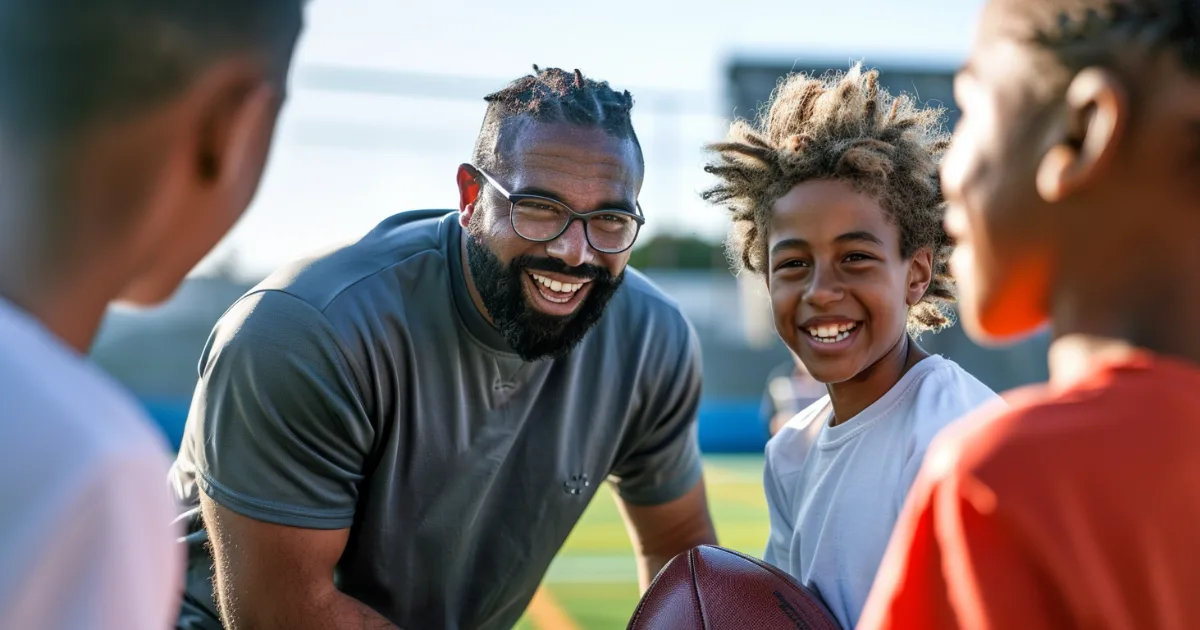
{"type": "Point", "coordinates": [726, 426]}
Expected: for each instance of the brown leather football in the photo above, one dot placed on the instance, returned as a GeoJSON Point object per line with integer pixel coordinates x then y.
{"type": "Point", "coordinates": [714, 588]}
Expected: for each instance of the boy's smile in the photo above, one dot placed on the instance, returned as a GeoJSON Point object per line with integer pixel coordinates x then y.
{"type": "Point", "coordinates": [839, 285]}
{"type": "Point", "coordinates": [830, 334]}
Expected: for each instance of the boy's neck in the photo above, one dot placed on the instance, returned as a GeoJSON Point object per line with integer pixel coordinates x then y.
{"type": "Point", "coordinates": [1073, 356]}
{"type": "Point", "coordinates": [1151, 305]}
{"type": "Point", "coordinates": [850, 398]}
{"type": "Point", "coordinates": [71, 308]}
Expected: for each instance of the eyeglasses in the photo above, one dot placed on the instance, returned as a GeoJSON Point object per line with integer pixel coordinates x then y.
{"type": "Point", "coordinates": [542, 219]}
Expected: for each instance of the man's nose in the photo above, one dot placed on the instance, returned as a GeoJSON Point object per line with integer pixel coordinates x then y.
{"type": "Point", "coordinates": [572, 246]}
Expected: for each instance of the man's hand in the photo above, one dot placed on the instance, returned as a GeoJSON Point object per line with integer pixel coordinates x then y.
{"type": "Point", "coordinates": [661, 532]}
{"type": "Point", "coordinates": [276, 577]}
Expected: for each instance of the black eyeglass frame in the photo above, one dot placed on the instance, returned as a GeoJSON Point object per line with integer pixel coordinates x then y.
{"type": "Point", "coordinates": [573, 216]}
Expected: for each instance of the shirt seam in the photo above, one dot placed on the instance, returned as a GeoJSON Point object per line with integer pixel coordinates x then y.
{"type": "Point", "coordinates": [268, 506]}
{"type": "Point", "coordinates": [916, 380]}
{"type": "Point", "coordinates": [339, 343]}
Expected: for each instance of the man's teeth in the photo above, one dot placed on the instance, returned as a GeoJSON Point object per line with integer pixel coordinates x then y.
{"type": "Point", "coordinates": [555, 285]}
{"type": "Point", "coordinates": [832, 333]}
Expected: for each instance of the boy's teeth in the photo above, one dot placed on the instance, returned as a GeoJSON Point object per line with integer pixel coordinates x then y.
{"type": "Point", "coordinates": [832, 333]}
{"type": "Point", "coordinates": [840, 336]}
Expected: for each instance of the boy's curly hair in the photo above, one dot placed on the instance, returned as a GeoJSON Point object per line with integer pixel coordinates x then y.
{"type": "Point", "coordinates": [844, 126]}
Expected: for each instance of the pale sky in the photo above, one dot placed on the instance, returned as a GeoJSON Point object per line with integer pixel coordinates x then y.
{"type": "Point", "coordinates": [344, 160]}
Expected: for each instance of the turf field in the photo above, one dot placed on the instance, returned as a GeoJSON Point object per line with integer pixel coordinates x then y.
{"type": "Point", "coordinates": [592, 585]}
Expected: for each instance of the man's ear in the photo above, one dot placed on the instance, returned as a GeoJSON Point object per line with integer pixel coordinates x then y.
{"type": "Point", "coordinates": [468, 193]}
{"type": "Point", "coordinates": [1097, 112]}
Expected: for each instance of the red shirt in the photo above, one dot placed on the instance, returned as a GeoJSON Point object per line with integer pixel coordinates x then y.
{"type": "Point", "coordinates": [1077, 507]}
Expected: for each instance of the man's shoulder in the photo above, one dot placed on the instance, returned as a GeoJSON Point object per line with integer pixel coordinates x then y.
{"type": "Point", "coordinates": [642, 304]}
{"type": "Point", "coordinates": [400, 257]}
{"type": "Point", "coordinates": [407, 239]}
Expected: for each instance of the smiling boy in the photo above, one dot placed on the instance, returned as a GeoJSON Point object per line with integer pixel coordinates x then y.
{"type": "Point", "coordinates": [836, 204]}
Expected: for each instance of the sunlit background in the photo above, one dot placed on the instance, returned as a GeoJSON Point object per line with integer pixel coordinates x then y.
{"type": "Point", "coordinates": [386, 100]}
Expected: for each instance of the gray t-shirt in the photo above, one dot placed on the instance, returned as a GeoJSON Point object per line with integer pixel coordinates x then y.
{"type": "Point", "coordinates": [364, 389]}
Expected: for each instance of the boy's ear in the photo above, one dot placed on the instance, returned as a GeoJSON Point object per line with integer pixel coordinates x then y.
{"type": "Point", "coordinates": [1098, 112]}
{"type": "Point", "coordinates": [920, 275]}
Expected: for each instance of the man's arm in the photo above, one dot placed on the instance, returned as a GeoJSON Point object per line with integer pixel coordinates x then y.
{"type": "Point", "coordinates": [278, 437]}
{"type": "Point", "coordinates": [275, 577]}
{"type": "Point", "coordinates": [661, 532]}
{"type": "Point", "coordinates": [660, 480]}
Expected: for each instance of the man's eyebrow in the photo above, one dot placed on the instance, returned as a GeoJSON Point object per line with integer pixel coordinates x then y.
{"type": "Point", "coordinates": [607, 205]}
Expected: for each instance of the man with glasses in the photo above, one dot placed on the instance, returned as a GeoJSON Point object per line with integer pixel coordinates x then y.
{"type": "Point", "coordinates": [427, 412]}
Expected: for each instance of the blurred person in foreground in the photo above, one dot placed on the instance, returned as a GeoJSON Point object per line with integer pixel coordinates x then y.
{"type": "Point", "coordinates": [836, 206]}
{"type": "Point", "coordinates": [790, 390]}
{"type": "Point", "coordinates": [1073, 182]}
{"type": "Point", "coordinates": [403, 432]}
{"type": "Point", "coordinates": [132, 136]}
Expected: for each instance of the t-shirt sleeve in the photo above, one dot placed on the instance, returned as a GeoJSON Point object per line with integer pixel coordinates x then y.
{"type": "Point", "coordinates": [284, 431]}
{"type": "Point", "coordinates": [953, 564]}
{"type": "Point", "coordinates": [780, 536]}
{"type": "Point", "coordinates": [665, 462]}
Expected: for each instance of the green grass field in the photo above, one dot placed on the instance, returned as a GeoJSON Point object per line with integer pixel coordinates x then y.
{"type": "Point", "coordinates": [594, 580]}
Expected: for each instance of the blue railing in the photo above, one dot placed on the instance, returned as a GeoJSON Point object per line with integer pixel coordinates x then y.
{"type": "Point", "coordinates": [726, 426]}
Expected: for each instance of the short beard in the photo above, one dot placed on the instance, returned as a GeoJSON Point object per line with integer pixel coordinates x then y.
{"type": "Point", "coordinates": [534, 335]}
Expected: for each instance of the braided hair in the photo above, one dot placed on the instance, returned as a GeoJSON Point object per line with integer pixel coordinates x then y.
{"type": "Point", "coordinates": [552, 95]}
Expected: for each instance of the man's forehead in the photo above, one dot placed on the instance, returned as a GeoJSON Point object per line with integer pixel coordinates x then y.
{"type": "Point", "coordinates": [542, 152]}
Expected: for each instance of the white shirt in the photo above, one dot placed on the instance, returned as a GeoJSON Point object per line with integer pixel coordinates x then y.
{"type": "Point", "coordinates": [834, 493]}
{"type": "Point", "coordinates": [86, 520]}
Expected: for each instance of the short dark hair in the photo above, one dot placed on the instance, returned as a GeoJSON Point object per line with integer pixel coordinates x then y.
{"type": "Point", "coordinates": [66, 65]}
{"type": "Point", "coordinates": [1098, 32]}
{"type": "Point", "coordinates": [552, 95]}
{"type": "Point", "coordinates": [843, 126]}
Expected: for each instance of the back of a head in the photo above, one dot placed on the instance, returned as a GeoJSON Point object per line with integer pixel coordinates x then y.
{"type": "Point", "coordinates": [68, 65]}
{"type": "Point", "coordinates": [135, 132]}
{"type": "Point", "coordinates": [1078, 117]}
{"type": "Point", "coordinates": [1115, 34]}
{"type": "Point", "coordinates": [551, 95]}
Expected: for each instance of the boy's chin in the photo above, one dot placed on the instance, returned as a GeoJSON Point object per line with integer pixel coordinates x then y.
{"type": "Point", "coordinates": [148, 292]}
{"type": "Point", "coordinates": [1000, 323]}
{"type": "Point", "coordinates": [830, 371]}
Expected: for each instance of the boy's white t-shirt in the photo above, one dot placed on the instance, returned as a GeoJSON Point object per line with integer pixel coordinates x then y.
{"type": "Point", "coordinates": [834, 493]}
{"type": "Point", "coordinates": [87, 538]}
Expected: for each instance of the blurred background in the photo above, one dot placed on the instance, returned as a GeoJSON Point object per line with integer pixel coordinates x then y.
{"type": "Point", "coordinates": [385, 103]}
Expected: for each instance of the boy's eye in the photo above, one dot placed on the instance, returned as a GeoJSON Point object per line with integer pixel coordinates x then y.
{"type": "Point", "coordinates": [787, 264]}
{"type": "Point", "coordinates": [856, 257]}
